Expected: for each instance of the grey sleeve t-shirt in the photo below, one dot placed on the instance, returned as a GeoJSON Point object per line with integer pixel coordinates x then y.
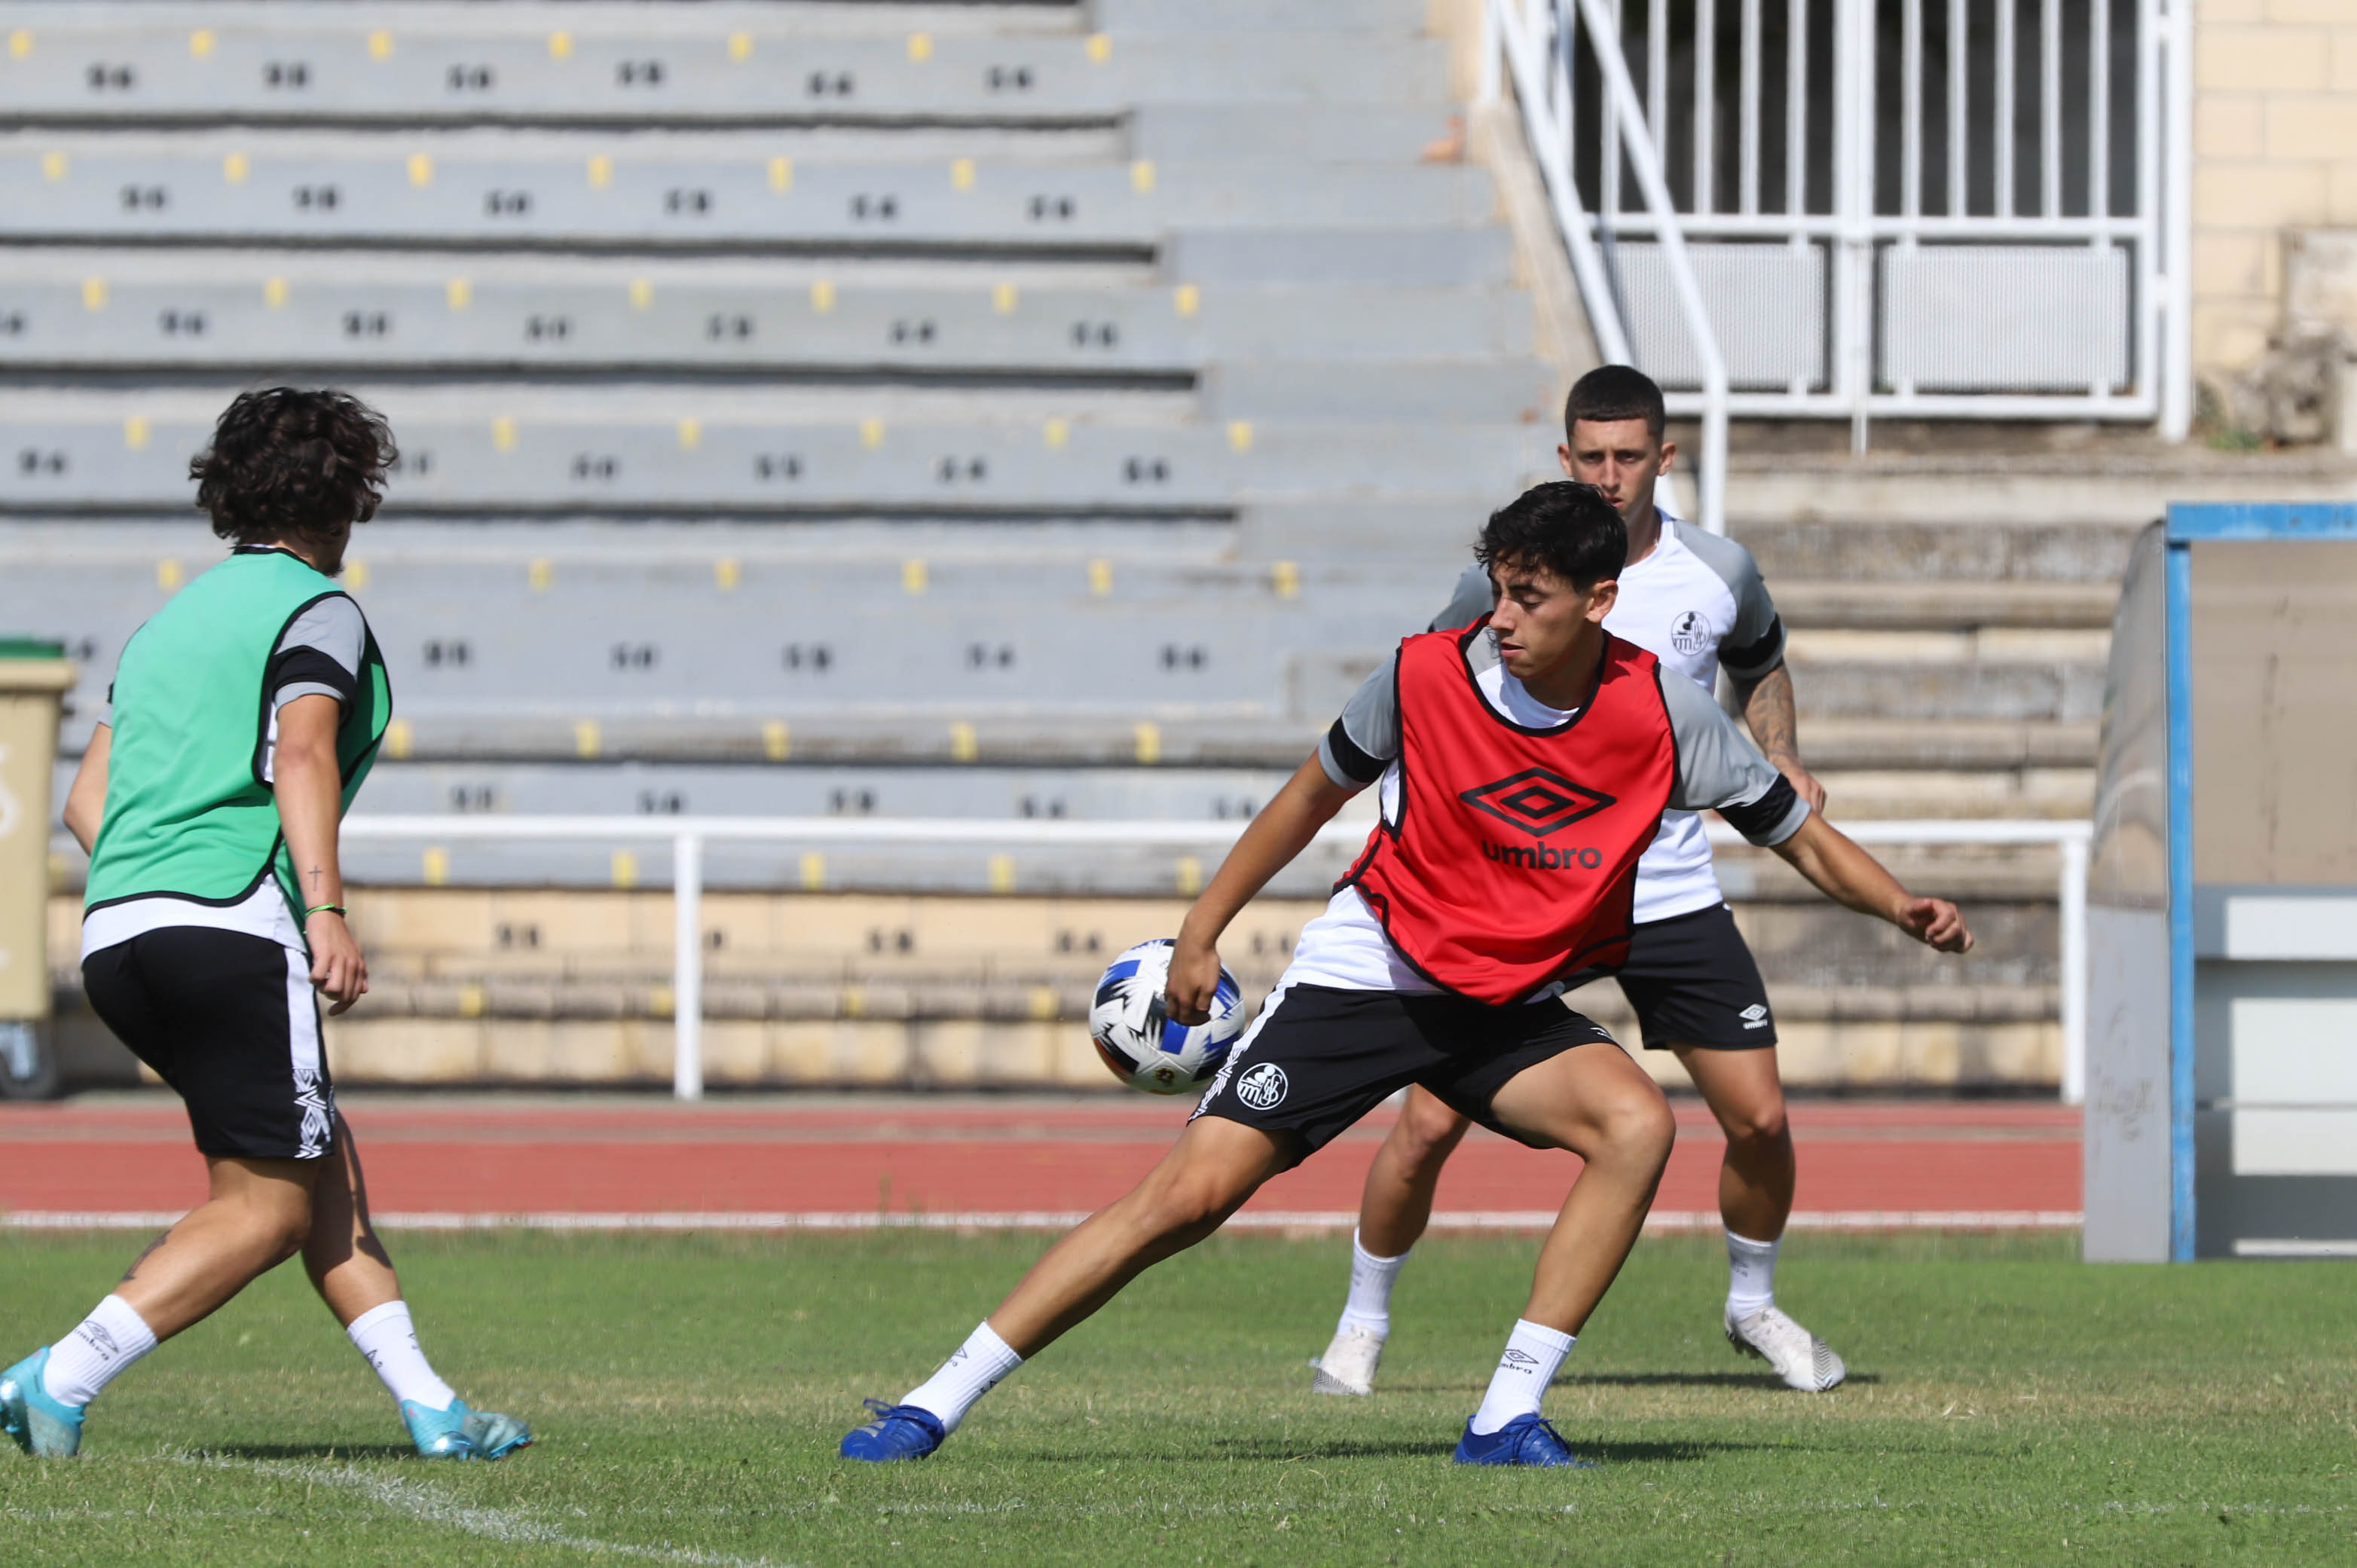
{"type": "Point", "coordinates": [318, 655]}
{"type": "Point", "coordinates": [1719, 770]}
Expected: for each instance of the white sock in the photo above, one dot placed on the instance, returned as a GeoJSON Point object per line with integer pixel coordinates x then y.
{"type": "Point", "coordinates": [1533, 1354]}
{"type": "Point", "coordinates": [385, 1336]}
{"type": "Point", "coordinates": [1750, 1276]}
{"type": "Point", "coordinates": [965, 1377]}
{"type": "Point", "coordinates": [101, 1347]}
{"type": "Point", "coordinates": [1369, 1305]}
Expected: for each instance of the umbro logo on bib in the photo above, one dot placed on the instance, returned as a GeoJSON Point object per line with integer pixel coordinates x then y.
{"type": "Point", "coordinates": [1539, 800]}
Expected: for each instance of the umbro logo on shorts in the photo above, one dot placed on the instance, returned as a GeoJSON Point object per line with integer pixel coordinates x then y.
{"type": "Point", "coordinates": [1754, 1016]}
{"type": "Point", "coordinates": [1263, 1087]}
{"type": "Point", "coordinates": [1539, 800]}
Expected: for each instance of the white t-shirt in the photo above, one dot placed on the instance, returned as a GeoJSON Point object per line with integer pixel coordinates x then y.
{"type": "Point", "coordinates": [1695, 602]}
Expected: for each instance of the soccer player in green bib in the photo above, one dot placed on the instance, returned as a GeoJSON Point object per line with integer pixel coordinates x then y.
{"type": "Point", "coordinates": [242, 719]}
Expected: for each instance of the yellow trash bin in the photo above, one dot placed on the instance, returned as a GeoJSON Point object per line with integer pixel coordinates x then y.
{"type": "Point", "coordinates": [34, 679]}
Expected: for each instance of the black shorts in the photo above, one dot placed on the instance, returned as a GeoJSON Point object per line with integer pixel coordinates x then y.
{"type": "Point", "coordinates": [231, 1022]}
{"type": "Point", "coordinates": [1693, 982]}
{"type": "Point", "coordinates": [1317, 1058]}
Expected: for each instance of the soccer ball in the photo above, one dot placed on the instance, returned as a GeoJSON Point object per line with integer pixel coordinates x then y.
{"type": "Point", "coordinates": [1140, 1043]}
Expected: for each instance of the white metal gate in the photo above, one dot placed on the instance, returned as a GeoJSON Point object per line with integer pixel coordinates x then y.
{"type": "Point", "coordinates": [1928, 208]}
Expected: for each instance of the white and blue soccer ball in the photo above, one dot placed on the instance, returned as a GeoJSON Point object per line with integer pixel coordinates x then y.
{"type": "Point", "coordinates": [1147, 1049]}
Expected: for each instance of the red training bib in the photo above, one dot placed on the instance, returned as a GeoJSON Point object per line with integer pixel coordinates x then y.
{"type": "Point", "coordinates": [1513, 861]}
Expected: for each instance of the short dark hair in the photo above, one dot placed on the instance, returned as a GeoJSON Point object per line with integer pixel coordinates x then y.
{"type": "Point", "coordinates": [1565, 527]}
{"type": "Point", "coordinates": [286, 462]}
{"type": "Point", "coordinates": [1612, 393]}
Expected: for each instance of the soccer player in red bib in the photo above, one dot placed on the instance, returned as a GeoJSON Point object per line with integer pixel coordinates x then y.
{"type": "Point", "coordinates": [1524, 762]}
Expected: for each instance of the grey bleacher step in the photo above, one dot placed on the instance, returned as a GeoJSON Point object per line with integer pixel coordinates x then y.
{"type": "Point", "coordinates": [684, 452]}
{"type": "Point", "coordinates": [1948, 691]}
{"type": "Point", "coordinates": [1895, 551]}
{"type": "Point", "coordinates": [1314, 134]}
{"type": "Point", "coordinates": [328, 192]}
{"type": "Point", "coordinates": [140, 311]}
{"type": "Point", "coordinates": [1150, 16]}
{"type": "Point", "coordinates": [1947, 604]}
{"type": "Point", "coordinates": [1019, 999]}
{"type": "Point", "coordinates": [1394, 256]}
{"type": "Point", "coordinates": [1473, 389]}
{"type": "Point", "coordinates": [351, 65]}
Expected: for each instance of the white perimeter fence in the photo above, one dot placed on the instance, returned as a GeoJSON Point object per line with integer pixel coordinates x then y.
{"type": "Point", "coordinates": [688, 836]}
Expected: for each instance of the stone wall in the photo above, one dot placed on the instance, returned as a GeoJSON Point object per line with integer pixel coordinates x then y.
{"type": "Point", "coordinates": [2274, 142]}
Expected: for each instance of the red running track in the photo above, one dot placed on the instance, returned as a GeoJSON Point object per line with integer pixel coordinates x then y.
{"type": "Point", "coordinates": [842, 1155]}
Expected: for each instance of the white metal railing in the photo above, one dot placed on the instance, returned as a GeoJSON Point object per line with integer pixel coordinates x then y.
{"type": "Point", "coordinates": [1537, 47]}
{"type": "Point", "coordinates": [689, 835]}
{"type": "Point", "coordinates": [1981, 209]}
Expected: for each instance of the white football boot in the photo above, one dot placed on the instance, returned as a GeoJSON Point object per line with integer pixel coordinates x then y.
{"type": "Point", "coordinates": [1799, 1357]}
{"type": "Point", "coordinates": [1349, 1365]}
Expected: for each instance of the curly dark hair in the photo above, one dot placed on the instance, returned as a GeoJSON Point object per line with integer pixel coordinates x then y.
{"type": "Point", "coordinates": [287, 462]}
{"type": "Point", "coordinates": [1565, 527]}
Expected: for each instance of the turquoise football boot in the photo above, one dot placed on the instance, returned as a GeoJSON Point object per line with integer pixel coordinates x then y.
{"type": "Point", "coordinates": [459, 1433]}
{"type": "Point", "coordinates": [41, 1426]}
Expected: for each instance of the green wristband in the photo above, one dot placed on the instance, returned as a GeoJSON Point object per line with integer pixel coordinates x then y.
{"type": "Point", "coordinates": [322, 909]}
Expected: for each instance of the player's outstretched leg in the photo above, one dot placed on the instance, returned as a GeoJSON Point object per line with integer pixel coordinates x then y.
{"type": "Point", "coordinates": [1392, 1212]}
{"type": "Point", "coordinates": [354, 1275]}
{"type": "Point", "coordinates": [255, 1219]}
{"type": "Point", "coordinates": [1755, 1199]}
{"type": "Point", "coordinates": [1205, 1177]}
{"type": "Point", "coordinates": [1593, 1101]}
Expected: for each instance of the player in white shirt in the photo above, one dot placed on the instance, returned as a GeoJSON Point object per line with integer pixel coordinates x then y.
{"type": "Point", "coordinates": [1696, 602]}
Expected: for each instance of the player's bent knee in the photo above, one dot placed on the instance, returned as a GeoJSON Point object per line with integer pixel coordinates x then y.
{"type": "Point", "coordinates": [1638, 1127]}
{"type": "Point", "coordinates": [1765, 1129]}
{"type": "Point", "coordinates": [1428, 1131]}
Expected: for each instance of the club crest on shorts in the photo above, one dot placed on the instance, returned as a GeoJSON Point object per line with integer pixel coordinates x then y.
{"type": "Point", "coordinates": [1262, 1088]}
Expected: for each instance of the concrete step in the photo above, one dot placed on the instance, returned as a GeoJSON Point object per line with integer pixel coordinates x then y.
{"type": "Point", "coordinates": [1990, 476]}
{"type": "Point", "coordinates": [1947, 604]}
{"type": "Point", "coordinates": [544, 319]}
{"type": "Point", "coordinates": [682, 452]}
{"type": "Point", "coordinates": [520, 986]}
{"type": "Point", "coordinates": [608, 953]}
{"type": "Point", "coordinates": [320, 192]}
{"type": "Point", "coordinates": [562, 66]}
{"type": "Point", "coordinates": [1925, 555]}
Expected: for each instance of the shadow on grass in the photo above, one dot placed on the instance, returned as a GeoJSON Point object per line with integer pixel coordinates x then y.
{"type": "Point", "coordinates": [261, 1451]}
{"type": "Point", "coordinates": [1703, 1380]}
{"type": "Point", "coordinates": [1636, 1381]}
{"type": "Point", "coordinates": [1279, 1449]}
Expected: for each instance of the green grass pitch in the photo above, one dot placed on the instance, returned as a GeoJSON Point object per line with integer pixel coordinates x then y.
{"type": "Point", "coordinates": [2006, 1405]}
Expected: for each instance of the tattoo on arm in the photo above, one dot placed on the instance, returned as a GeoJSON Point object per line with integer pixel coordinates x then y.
{"type": "Point", "coordinates": [1767, 710]}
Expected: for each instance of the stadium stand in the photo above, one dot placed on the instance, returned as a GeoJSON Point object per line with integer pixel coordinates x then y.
{"type": "Point", "coordinates": [994, 410]}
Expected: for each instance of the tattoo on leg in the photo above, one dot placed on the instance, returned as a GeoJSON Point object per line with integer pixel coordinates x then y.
{"type": "Point", "coordinates": [132, 1271]}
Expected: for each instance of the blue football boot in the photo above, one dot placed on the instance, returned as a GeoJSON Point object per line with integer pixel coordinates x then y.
{"type": "Point", "coordinates": [899, 1432]}
{"type": "Point", "coordinates": [41, 1426]}
{"type": "Point", "coordinates": [1526, 1440]}
{"type": "Point", "coordinates": [459, 1433]}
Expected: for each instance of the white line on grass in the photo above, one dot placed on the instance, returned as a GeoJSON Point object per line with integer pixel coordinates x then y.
{"type": "Point", "coordinates": [427, 1506]}
{"type": "Point", "coordinates": [1054, 1219]}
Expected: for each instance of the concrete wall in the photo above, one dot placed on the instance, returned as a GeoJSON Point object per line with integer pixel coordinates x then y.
{"type": "Point", "coordinates": [2275, 141]}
